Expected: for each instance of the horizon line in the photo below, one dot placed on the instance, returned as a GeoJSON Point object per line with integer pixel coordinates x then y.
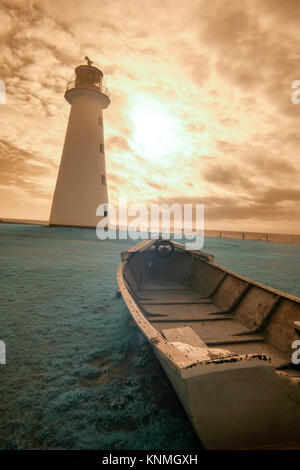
{"type": "Point", "coordinates": [219, 231]}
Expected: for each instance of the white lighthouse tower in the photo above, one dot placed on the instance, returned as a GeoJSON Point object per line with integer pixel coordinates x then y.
{"type": "Point", "coordinates": [81, 181]}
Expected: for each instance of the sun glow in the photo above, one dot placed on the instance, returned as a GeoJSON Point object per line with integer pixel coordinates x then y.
{"type": "Point", "coordinates": [157, 133]}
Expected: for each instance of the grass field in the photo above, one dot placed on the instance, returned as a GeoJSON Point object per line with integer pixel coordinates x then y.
{"type": "Point", "coordinates": [79, 374]}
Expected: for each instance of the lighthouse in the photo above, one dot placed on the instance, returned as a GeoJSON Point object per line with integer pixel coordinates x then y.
{"type": "Point", "coordinates": [81, 182]}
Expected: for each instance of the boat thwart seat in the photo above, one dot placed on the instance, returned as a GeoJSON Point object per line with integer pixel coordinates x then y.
{"type": "Point", "coordinates": [187, 341]}
{"type": "Point", "coordinates": [185, 334]}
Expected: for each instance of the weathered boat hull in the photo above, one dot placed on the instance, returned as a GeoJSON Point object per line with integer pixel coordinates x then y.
{"type": "Point", "coordinates": [238, 406]}
{"type": "Point", "coordinates": [234, 394]}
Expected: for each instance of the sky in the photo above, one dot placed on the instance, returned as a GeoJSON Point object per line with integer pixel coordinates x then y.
{"type": "Point", "coordinates": [200, 112]}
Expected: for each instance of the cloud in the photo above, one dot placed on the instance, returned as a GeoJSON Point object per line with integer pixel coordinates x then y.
{"type": "Point", "coordinates": [228, 176]}
{"type": "Point", "coordinates": [159, 187]}
{"type": "Point", "coordinates": [222, 70]}
{"type": "Point", "coordinates": [22, 179]}
{"type": "Point", "coordinates": [117, 142]}
{"type": "Point", "coordinates": [16, 164]}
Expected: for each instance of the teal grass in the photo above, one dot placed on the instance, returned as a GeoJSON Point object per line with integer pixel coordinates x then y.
{"type": "Point", "coordinates": [79, 374]}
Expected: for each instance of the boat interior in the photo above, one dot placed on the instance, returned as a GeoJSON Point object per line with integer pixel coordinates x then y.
{"type": "Point", "coordinates": [219, 307]}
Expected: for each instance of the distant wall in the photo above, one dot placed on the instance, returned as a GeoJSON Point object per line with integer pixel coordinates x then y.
{"type": "Point", "coordinates": [255, 236]}
{"type": "Point", "coordinates": [231, 234]}
{"type": "Point", "coordinates": [268, 237]}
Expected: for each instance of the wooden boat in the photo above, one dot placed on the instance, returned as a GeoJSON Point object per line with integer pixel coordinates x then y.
{"type": "Point", "coordinates": [225, 343]}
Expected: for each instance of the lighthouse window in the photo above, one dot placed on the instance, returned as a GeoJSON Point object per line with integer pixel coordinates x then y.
{"type": "Point", "coordinates": [102, 148]}
{"type": "Point", "coordinates": [103, 180]}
